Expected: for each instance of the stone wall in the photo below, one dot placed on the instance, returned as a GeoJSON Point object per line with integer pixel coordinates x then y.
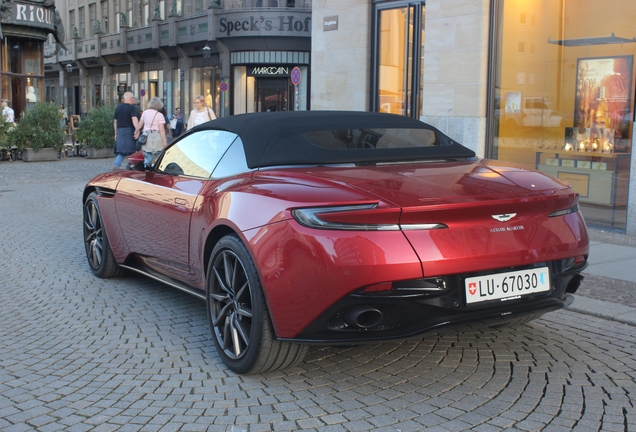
{"type": "Point", "coordinates": [340, 59]}
{"type": "Point", "coordinates": [456, 69]}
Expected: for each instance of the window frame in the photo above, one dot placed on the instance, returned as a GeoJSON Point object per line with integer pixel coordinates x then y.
{"type": "Point", "coordinates": [413, 60]}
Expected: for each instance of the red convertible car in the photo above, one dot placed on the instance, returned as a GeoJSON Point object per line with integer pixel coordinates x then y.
{"type": "Point", "coordinates": [301, 228]}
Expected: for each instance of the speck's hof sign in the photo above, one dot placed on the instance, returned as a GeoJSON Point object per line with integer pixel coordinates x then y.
{"type": "Point", "coordinates": [289, 23]}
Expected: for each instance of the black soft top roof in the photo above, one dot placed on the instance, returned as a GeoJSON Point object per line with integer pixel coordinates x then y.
{"type": "Point", "coordinates": [278, 138]}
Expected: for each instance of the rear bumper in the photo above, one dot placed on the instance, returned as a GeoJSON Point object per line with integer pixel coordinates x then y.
{"type": "Point", "coordinates": [391, 316]}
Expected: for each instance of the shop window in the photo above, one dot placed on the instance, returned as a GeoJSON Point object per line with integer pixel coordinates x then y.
{"type": "Point", "coordinates": [398, 58]}
{"type": "Point", "coordinates": [522, 48]}
{"type": "Point", "coordinates": [92, 10]}
{"type": "Point", "coordinates": [267, 3]}
{"type": "Point", "coordinates": [105, 16]}
{"type": "Point", "coordinates": [145, 13]}
{"type": "Point", "coordinates": [71, 20]}
{"type": "Point", "coordinates": [129, 8]}
{"type": "Point", "coordinates": [82, 20]}
{"type": "Point", "coordinates": [568, 109]}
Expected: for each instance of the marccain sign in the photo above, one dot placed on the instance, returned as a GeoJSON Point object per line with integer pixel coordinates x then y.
{"type": "Point", "coordinates": [236, 24]}
{"type": "Point", "coordinates": [264, 71]}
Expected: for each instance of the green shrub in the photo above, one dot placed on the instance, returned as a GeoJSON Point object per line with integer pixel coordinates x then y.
{"type": "Point", "coordinates": [39, 128]}
{"type": "Point", "coordinates": [4, 130]}
{"type": "Point", "coordinates": [96, 129]}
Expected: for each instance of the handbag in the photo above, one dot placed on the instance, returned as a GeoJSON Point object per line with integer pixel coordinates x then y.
{"type": "Point", "coordinates": [141, 141]}
{"type": "Point", "coordinates": [173, 123]}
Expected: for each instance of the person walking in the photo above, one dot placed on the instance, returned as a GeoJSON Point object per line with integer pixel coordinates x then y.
{"type": "Point", "coordinates": [125, 124]}
{"type": "Point", "coordinates": [176, 123]}
{"type": "Point", "coordinates": [200, 114]}
{"type": "Point", "coordinates": [63, 116]}
{"type": "Point", "coordinates": [152, 123]}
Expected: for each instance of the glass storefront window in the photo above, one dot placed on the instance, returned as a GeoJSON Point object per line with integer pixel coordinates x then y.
{"type": "Point", "coordinates": [22, 73]}
{"type": "Point", "coordinates": [564, 97]}
{"type": "Point", "coordinates": [151, 83]}
{"type": "Point", "coordinates": [176, 92]}
{"type": "Point", "coordinates": [205, 82]}
{"type": "Point", "coordinates": [399, 57]}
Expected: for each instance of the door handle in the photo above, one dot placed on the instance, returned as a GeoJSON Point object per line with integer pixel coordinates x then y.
{"type": "Point", "coordinates": [180, 201]}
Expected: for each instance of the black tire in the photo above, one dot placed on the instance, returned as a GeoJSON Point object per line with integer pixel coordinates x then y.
{"type": "Point", "coordinates": [98, 252]}
{"type": "Point", "coordinates": [238, 316]}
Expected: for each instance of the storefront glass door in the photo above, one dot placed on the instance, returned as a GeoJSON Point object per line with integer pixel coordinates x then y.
{"type": "Point", "coordinates": [272, 94]}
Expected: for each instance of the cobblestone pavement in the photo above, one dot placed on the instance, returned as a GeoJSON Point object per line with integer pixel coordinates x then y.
{"type": "Point", "coordinates": [79, 353]}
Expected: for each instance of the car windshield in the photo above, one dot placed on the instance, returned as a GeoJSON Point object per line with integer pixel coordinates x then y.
{"type": "Point", "coordinates": [349, 139]}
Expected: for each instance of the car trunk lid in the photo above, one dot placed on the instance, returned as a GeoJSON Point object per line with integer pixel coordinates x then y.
{"type": "Point", "coordinates": [497, 214]}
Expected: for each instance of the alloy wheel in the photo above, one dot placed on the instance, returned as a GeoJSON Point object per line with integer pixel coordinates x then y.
{"type": "Point", "coordinates": [93, 235]}
{"type": "Point", "coordinates": [230, 297]}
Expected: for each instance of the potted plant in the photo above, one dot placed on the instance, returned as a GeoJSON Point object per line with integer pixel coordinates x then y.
{"type": "Point", "coordinates": [5, 148]}
{"type": "Point", "coordinates": [38, 134]}
{"type": "Point", "coordinates": [97, 133]}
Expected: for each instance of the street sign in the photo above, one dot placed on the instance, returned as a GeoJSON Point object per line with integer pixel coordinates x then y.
{"type": "Point", "coordinates": [121, 89]}
{"type": "Point", "coordinates": [142, 92]}
{"type": "Point", "coordinates": [295, 76]}
{"type": "Point", "coordinates": [223, 87]}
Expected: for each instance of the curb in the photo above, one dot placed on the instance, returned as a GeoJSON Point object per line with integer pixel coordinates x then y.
{"type": "Point", "coordinates": [603, 309]}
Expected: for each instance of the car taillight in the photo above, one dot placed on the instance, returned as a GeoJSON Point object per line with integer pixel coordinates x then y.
{"type": "Point", "coordinates": [353, 217]}
{"type": "Point", "coordinates": [565, 211]}
{"type": "Point", "coordinates": [363, 217]}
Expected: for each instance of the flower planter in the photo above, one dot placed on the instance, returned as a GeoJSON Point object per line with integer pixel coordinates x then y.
{"type": "Point", "coordinates": [97, 153]}
{"type": "Point", "coordinates": [44, 154]}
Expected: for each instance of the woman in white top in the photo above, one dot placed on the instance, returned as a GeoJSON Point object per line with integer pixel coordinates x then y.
{"type": "Point", "coordinates": [152, 121]}
{"type": "Point", "coordinates": [200, 114]}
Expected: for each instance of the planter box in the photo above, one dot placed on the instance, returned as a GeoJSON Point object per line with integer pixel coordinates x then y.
{"type": "Point", "coordinates": [96, 153]}
{"type": "Point", "coordinates": [45, 154]}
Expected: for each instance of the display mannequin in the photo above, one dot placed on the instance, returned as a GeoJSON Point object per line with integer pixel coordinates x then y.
{"type": "Point", "coordinates": [208, 99]}
{"type": "Point", "coordinates": [31, 96]}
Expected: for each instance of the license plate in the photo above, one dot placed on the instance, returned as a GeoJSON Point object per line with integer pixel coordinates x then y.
{"type": "Point", "coordinates": [507, 286]}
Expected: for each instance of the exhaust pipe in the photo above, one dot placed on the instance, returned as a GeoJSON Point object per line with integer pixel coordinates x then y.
{"type": "Point", "coordinates": [362, 317]}
{"type": "Point", "coordinates": [574, 284]}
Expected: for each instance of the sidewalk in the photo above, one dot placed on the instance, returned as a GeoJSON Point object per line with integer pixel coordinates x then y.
{"type": "Point", "coordinates": [609, 288]}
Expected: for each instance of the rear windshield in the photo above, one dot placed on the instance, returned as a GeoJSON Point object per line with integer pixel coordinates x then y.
{"type": "Point", "coordinates": [347, 139]}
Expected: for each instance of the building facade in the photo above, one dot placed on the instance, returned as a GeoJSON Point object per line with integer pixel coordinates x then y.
{"type": "Point", "coordinates": [241, 55]}
{"type": "Point", "coordinates": [25, 26]}
{"type": "Point", "coordinates": [545, 84]}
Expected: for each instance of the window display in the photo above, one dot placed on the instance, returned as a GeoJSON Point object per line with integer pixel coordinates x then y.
{"type": "Point", "coordinates": [564, 104]}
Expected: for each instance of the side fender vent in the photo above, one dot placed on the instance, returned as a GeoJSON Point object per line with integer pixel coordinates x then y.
{"type": "Point", "coordinates": [105, 192]}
